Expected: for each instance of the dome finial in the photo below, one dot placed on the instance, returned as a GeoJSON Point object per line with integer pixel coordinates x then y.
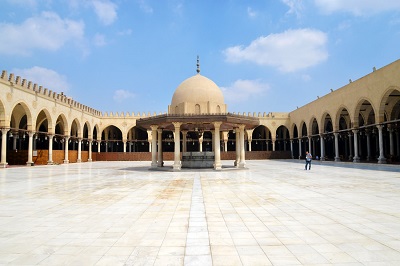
{"type": "Point", "coordinates": [198, 65]}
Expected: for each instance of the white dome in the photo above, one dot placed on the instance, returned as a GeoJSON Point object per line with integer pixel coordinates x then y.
{"type": "Point", "coordinates": [199, 90]}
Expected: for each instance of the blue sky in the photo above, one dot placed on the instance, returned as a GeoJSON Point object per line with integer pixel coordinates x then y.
{"type": "Point", "coordinates": [130, 55]}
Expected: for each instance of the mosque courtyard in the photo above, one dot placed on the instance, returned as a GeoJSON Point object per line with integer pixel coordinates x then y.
{"type": "Point", "coordinates": [273, 213]}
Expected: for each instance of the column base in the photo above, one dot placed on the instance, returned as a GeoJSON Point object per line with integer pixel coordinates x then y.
{"type": "Point", "coordinates": [356, 159]}
{"type": "Point", "coordinates": [3, 165]}
{"type": "Point", "coordinates": [154, 165]}
{"type": "Point", "coordinates": [30, 164]}
{"type": "Point", "coordinates": [242, 165]}
{"type": "Point", "coordinates": [66, 161]}
{"type": "Point", "coordinates": [176, 167]}
{"type": "Point", "coordinates": [217, 166]}
{"type": "Point", "coordinates": [50, 162]}
{"type": "Point", "coordinates": [89, 160]}
{"type": "Point", "coordinates": [382, 160]}
{"type": "Point", "coordinates": [78, 160]}
{"type": "Point", "coordinates": [337, 159]}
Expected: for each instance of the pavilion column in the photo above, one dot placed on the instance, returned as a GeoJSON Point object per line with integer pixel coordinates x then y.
{"type": "Point", "coordinates": [350, 146]}
{"type": "Point", "coordinates": [391, 146]}
{"type": "Point", "coordinates": [225, 145]}
{"type": "Point", "coordinates": [90, 150]}
{"type": "Point", "coordinates": [66, 139]}
{"type": "Point", "coordinates": [3, 162]}
{"type": "Point", "coordinates": [160, 162]}
{"type": "Point", "coordinates": [322, 141]}
{"type": "Point", "coordinates": [237, 135]}
{"type": "Point", "coordinates": [249, 142]}
{"type": "Point", "coordinates": [217, 146]}
{"type": "Point", "coordinates": [300, 152]}
{"type": "Point", "coordinates": [201, 144]}
{"type": "Point", "coordinates": [291, 148]}
{"type": "Point", "coordinates": [30, 149]}
{"type": "Point", "coordinates": [337, 158]}
{"type": "Point", "coordinates": [79, 151]}
{"type": "Point", "coordinates": [98, 146]}
{"type": "Point", "coordinates": [184, 140]}
{"type": "Point", "coordinates": [368, 133]}
{"type": "Point", "coordinates": [381, 158]}
{"type": "Point", "coordinates": [273, 140]}
{"type": "Point", "coordinates": [50, 159]}
{"type": "Point", "coordinates": [14, 142]}
{"type": "Point", "coordinates": [242, 162]}
{"type": "Point", "coordinates": [177, 151]}
{"type": "Point", "coordinates": [153, 146]}
{"type": "Point", "coordinates": [356, 158]}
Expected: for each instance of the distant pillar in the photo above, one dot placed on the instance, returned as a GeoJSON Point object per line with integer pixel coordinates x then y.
{"type": "Point", "coordinates": [337, 158]}
{"type": "Point", "coordinates": [3, 162]}
{"type": "Point", "coordinates": [217, 146]}
{"type": "Point", "coordinates": [30, 149]}
{"type": "Point", "coordinates": [90, 150]}
{"type": "Point", "coordinates": [381, 158]}
{"type": "Point", "coordinates": [177, 151]}
{"type": "Point", "coordinates": [79, 151]}
{"type": "Point", "coordinates": [184, 141]}
{"type": "Point", "coordinates": [50, 159]}
{"type": "Point", "coordinates": [160, 162]}
{"type": "Point", "coordinates": [242, 162]}
{"type": "Point", "coordinates": [300, 148]}
{"type": "Point", "coordinates": [66, 139]}
{"type": "Point", "coordinates": [322, 141]}
{"type": "Point", "coordinates": [356, 158]}
{"type": "Point", "coordinates": [368, 133]}
{"type": "Point", "coordinates": [153, 146]}
{"type": "Point", "coordinates": [291, 149]}
{"type": "Point", "coordinates": [201, 144]}
{"type": "Point", "coordinates": [237, 135]}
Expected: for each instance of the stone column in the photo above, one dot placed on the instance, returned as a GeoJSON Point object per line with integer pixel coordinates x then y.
{"type": "Point", "coordinates": [50, 161]}
{"type": "Point", "coordinates": [90, 151]}
{"type": "Point", "coordinates": [249, 141]}
{"type": "Point", "coordinates": [184, 140]}
{"type": "Point", "coordinates": [397, 143]}
{"type": "Point", "coordinates": [242, 162]}
{"type": "Point", "coordinates": [217, 146]}
{"type": "Point", "coordinates": [291, 148]}
{"type": "Point", "coordinates": [98, 146]}
{"type": "Point", "coordinates": [66, 139]}
{"type": "Point", "coordinates": [273, 140]}
{"type": "Point", "coordinates": [322, 140]}
{"type": "Point", "coordinates": [30, 149]}
{"type": "Point", "coordinates": [368, 134]}
{"type": "Point", "coordinates": [350, 146]}
{"type": "Point", "coordinates": [177, 151]}
{"type": "Point", "coordinates": [381, 158]}
{"type": "Point", "coordinates": [237, 135]}
{"type": "Point", "coordinates": [300, 148]}
{"type": "Point", "coordinates": [356, 158]}
{"type": "Point", "coordinates": [391, 146]}
{"type": "Point", "coordinates": [15, 142]}
{"type": "Point", "coordinates": [160, 162]}
{"type": "Point", "coordinates": [201, 144]}
{"type": "Point", "coordinates": [153, 146]}
{"type": "Point", "coordinates": [124, 145]}
{"type": "Point", "coordinates": [337, 158]}
{"type": "Point", "coordinates": [3, 162]}
{"type": "Point", "coordinates": [309, 145]}
{"type": "Point", "coordinates": [79, 151]}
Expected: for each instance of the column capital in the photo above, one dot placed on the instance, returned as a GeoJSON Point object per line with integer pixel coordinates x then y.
{"type": "Point", "coordinates": [177, 124]}
{"type": "Point", "coordinates": [154, 127]}
{"type": "Point", "coordinates": [217, 124]}
{"type": "Point", "coordinates": [355, 131]}
{"type": "Point", "coordinates": [241, 126]}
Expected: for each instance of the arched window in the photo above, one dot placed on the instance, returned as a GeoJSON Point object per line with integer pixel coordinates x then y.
{"type": "Point", "coordinates": [218, 109]}
{"type": "Point", "coordinates": [176, 110]}
{"type": "Point", "coordinates": [197, 109]}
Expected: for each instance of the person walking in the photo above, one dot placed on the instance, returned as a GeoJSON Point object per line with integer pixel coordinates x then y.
{"type": "Point", "coordinates": [308, 160]}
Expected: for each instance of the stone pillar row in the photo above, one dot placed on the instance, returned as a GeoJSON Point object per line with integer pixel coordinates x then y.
{"type": "Point", "coordinates": [354, 143]}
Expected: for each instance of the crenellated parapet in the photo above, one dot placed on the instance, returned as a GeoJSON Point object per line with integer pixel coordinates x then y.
{"type": "Point", "coordinates": [16, 82]}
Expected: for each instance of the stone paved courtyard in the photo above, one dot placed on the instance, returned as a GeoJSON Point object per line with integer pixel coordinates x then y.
{"type": "Point", "coordinates": [273, 213]}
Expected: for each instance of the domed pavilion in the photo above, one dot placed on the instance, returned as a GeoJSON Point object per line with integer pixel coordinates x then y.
{"type": "Point", "coordinates": [197, 107]}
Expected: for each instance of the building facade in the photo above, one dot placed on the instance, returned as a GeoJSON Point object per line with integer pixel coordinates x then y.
{"type": "Point", "coordinates": [357, 122]}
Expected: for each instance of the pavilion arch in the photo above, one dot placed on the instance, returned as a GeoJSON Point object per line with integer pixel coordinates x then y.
{"type": "Point", "coordinates": [364, 109]}
{"type": "Point", "coordinates": [261, 139]}
{"type": "Point", "coordinates": [389, 105]}
{"type": "Point", "coordinates": [20, 112]}
{"type": "Point", "coordinates": [342, 120]}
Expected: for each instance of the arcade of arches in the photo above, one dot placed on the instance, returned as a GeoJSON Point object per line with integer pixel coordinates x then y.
{"type": "Point", "coordinates": [354, 123]}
